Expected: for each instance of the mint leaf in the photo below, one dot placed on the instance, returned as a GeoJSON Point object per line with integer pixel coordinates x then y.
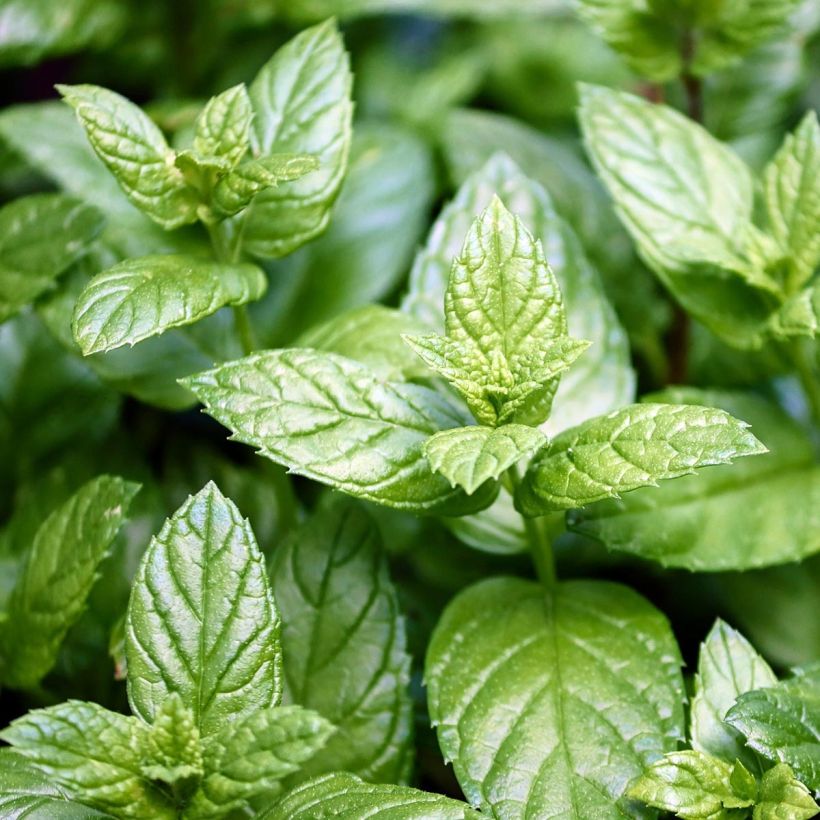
{"type": "Point", "coordinates": [301, 103]}
{"type": "Point", "coordinates": [345, 795]}
{"type": "Point", "coordinates": [799, 315]}
{"type": "Point", "coordinates": [792, 195]}
{"type": "Point", "coordinates": [223, 127]}
{"type": "Point", "coordinates": [144, 297]}
{"type": "Point", "coordinates": [58, 573]}
{"type": "Point", "coordinates": [201, 621]}
{"type": "Point", "coordinates": [135, 151]}
{"type": "Point", "coordinates": [469, 456]}
{"type": "Point", "coordinates": [93, 753]}
{"type": "Point", "coordinates": [630, 448]}
{"type": "Point", "coordinates": [783, 797]}
{"type": "Point", "coordinates": [342, 623]}
{"type": "Point", "coordinates": [320, 414]}
{"type": "Point", "coordinates": [498, 529]}
{"type": "Point", "coordinates": [754, 513]}
{"type": "Point", "coordinates": [728, 666]}
{"type": "Point", "coordinates": [250, 758]}
{"type": "Point", "coordinates": [552, 702]}
{"type": "Point", "coordinates": [691, 784]}
{"type": "Point", "coordinates": [41, 236]}
{"type": "Point", "coordinates": [782, 723]}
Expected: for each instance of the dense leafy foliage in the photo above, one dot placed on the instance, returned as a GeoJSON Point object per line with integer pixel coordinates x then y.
{"type": "Point", "coordinates": [510, 312]}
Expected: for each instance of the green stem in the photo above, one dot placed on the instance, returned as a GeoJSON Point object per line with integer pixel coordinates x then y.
{"type": "Point", "coordinates": [805, 371]}
{"type": "Point", "coordinates": [242, 322]}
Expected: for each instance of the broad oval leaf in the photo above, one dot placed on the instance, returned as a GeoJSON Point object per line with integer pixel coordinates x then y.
{"type": "Point", "coordinates": [341, 622]}
{"type": "Point", "coordinates": [201, 620]}
{"type": "Point", "coordinates": [549, 703]}
{"type": "Point", "coordinates": [334, 420]}
{"type": "Point", "coordinates": [144, 297]}
{"type": "Point", "coordinates": [301, 103]}
{"type": "Point", "coordinates": [627, 449]}
{"type": "Point", "coordinates": [345, 796]}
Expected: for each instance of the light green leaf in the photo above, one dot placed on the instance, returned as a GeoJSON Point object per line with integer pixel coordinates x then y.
{"type": "Point", "coordinates": [630, 448]}
{"type": "Point", "coordinates": [135, 151]}
{"type": "Point", "coordinates": [469, 456]}
{"type": "Point", "coordinates": [223, 128]}
{"type": "Point", "coordinates": [335, 421]}
{"type": "Point", "coordinates": [93, 753]}
{"type": "Point", "coordinates": [41, 236]}
{"type": "Point", "coordinates": [757, 512]}
{"type": "Point", "coordinates": [250, 758]}
{"type": "Point", "coordinates": [498, 529]}
{"type": "Point", "coordinates": [301, 103]}
{"type": "Point", "coordinates": [342, 623]}
{"type": "Point", "coordinates": [728, 666]}
{"type": "Point", "coordinates": [783, 797]}
{"type": "Point", "coordinates": [144, 297]}
{"type": "Point", "coordinates": [792, 188]}
{"type": "Point", "coordinates": [59, 571]}
{"type": "Point", "coordinates": [691, 784]}
{"type": "Point", "coordinates": [26, 792]}
{"type": "Point", "coordinates": [347, 797]}
{"type": "Point", "coordinates": [687, 201]}
{"type": "Point", "coordinates": [799, 315]}
{"type": "Point", "coordinates": [782, 723]}
{"type": "Point", "coordinates": [201, 621]}
{"type": "Point", "coordinates": [549, 703]}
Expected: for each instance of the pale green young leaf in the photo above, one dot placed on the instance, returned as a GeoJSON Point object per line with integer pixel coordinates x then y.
{"type": "Point", "coordinates": [335, 421]}
{"type": "Point", "coordinates": [690, 784]}
{"type": "Point", "coordinates": [135, 151]}
{"type": "Point", "coordinates": [687, 200]}
{"type": "Point", "coordinates": [27, 793]}
{"type": "Point", "coordinates": [59, 571]}
{"type": "Point", "coordinates": [728, 666]}
{"type": "Point", "coordinates": [223, 127]}
{"type": "Point", "coordinates": [799, 315]}
{"type": "Point", "coordinates": [754, 513]}
{"type": "Point", "coordinates": [792, 189]}
{"type": "Point", "coordinates": [782, 723]}
{"type": "Point", "coordinates": [93, 753]}
{"type": "Point", "coordinates": [250, 758]}
{"type": "Point", "coordinates": [201, 619]}
{"type": "Point", "coordinates": [630, 448]}
{"type": "Point", "coordinates": [236, 190]}
{"type": "Point", "coordinates": [549, 703]}
{"type": "Point", "coordinates": [469, 456]}
{"type": "Point", "coordinates": [302, 105]}
{"type": "Point", "coordinates": [347, 797]}
{"type": "Point", "coordinates": [499, 529]}
{"type": "Point", "coordinates": [341, 621]}
{"type": "Point", "coordinates": [144, 297]}
{"type": "Point", "coordinates": [783, 797]}
{"type": "Point", "coordinates": [41, 236]}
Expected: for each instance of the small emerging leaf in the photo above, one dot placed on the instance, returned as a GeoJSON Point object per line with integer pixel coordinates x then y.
{"type": "Point", "coordinates": [783, 797]}
{"type": "Point", "coordinates": [223, 127]}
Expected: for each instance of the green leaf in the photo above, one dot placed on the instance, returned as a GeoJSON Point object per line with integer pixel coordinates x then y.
{"type": "Point", "coordinates": [335, 421]}
{"type": "Point", "coordinates": [41, 236]}
{"type": "Point", "coordinates": [792, 189]}
{"type": "Point", "coordinates": [145, 297]}
{"type": "Point", "coordinates": [93, 753]}
{"type": "Point", "coordinates": [799, 315]}
{"type": "Point", "coordinates": [687, 200]}
{"type": "Point", "coordinates": [469, 456]}
{"type": "Point", "coordinates": [252, 757]}
{"type": "Point", "coordinates": [342, 623]}
{"type": "Point", "coordinates": [57, 576]}
{"type": "Point", "coordinates": [26, 792]}
{"type": "Point", "coordinates": [223, 127]}
{"type": "Point", "coordinates": [345, 796]}
{"type": "Point", "coordinates": [136, 153]}
{"type": "Point", "coordinates": [301, 103]}
{"type": "Point", "coordinates": [782, 723]}
{"type": "Point", "coordinates": [757, 512]}
{"type": "Point", "coordinates": [783, 797]}
{"type": "Point", "coordinates": [201, 620]}
{"type": "Point", "coordinates": [691, 784]}
{"type": "Point", "coordinates": [630, 448]}
{"type": "Point", "coordinates": [549, 703]}
{"type": "Point", "coordinates": [728, 666]}
{"type": "Point", "coordinates": [498, 529]}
